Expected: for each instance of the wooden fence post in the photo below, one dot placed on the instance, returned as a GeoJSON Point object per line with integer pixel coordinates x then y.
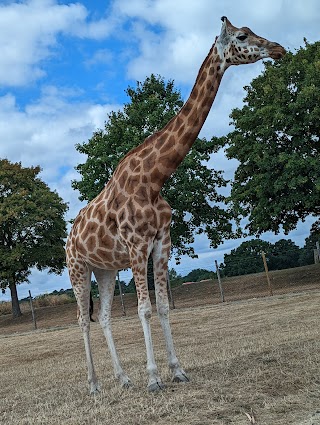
{"type": "Point", "coordinates": [32, 311]}
{"type": "Point", "coordinates": [219, 281]}
{"type": "Point", "coordinates": [121, 296]}
{"type": "Point", "coordinates": [267, 272]}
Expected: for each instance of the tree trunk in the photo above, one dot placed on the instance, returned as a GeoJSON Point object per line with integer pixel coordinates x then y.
{"type": "Point", "coordinates": [16, 312]}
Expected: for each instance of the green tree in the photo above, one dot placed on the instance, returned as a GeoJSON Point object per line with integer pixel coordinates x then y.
{"type": "Point", "coordinates": [285, 254]}
{"type": "Point", "coordinates": [191, 190]}
{"type": "Point", "coordinates": [129, 287]}
{"type": "Point", "coordinates": [307, 256]}
{"type": "Point", "coordinates": [94, 289]}
{"type": "Point", "coordinates": [32, 227]}
{"type": "Point", "coordinates": [276, 141]}
{"type": "Point", "coordinates": [246, 258]}
{"type": "Point", "coordinates": [175, 278]}
{"type": "Point", "coordinates": [198, 274]}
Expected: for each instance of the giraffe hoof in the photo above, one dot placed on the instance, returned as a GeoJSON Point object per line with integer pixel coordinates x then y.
{"type": "Point", "coordinates": [124, 380]}
{"type": "Point", "coordinates": [126, 384]}
{"type": "Point", "coordinates": [95, 391]}
{"type": "Point", "coordinates": [156, 387]}
{"type": "Point", "coordinates": [181, 377]}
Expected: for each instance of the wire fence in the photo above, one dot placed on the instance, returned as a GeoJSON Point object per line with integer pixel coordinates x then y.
{"type": "Point", "coordinates": [219, 288]}
{"type": "Point", "coordinates": [242, 264]}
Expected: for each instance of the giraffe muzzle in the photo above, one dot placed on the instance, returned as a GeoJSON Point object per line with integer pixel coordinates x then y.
{"type": "Point", "coordinates": [276, 51]}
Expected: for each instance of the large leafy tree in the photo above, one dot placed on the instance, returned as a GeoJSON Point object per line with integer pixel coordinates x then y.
{"type": "Point", "coordinates": [32, 227]}
{"type": "Point", "coordinates": [191, 190]}
{"type": "Point", "coordinates": [276, 141]}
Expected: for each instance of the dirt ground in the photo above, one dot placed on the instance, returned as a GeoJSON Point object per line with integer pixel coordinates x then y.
{"type": "Point", "coordinates": [253, 358]}
{"type": "Point", "coordinates": [256, 357]}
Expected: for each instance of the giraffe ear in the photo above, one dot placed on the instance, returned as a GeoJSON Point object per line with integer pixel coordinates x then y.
{"type": "Point", "coordinates": [223, 37]}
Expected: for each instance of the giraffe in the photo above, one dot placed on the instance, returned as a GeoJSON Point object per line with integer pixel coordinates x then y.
{"type": "Point", "coordinates": [129, 220]}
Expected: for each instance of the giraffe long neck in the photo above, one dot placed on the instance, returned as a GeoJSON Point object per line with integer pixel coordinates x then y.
{"type": "Point", "coordinates": [176, 139]}
{"type": "Point", "coordinates": [150, 164]}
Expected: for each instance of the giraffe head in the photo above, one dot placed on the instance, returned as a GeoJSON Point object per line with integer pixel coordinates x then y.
{"type": "Point", "coordinates": [240, 45]}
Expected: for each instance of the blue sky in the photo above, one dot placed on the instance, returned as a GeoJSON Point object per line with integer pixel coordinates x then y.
{"type": "Point", "coordinates": [65, 65]}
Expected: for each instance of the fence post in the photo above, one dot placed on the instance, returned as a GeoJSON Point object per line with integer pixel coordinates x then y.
{"type": "Point", "coordinates": [169, 291]}
{"type": "Point", "coordinates": [267, 272]}
{"type": "Point", "coordinates": [32, 311]}
{"type": "Point", "coordinates": [121, 296]}
{"type": "Point", "coordinates": [219, 281]}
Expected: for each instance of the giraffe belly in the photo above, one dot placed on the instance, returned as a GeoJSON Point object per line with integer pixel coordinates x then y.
{"type": "Point", "coordinates": [113, 257]}
{"type": "Point", "coordinates": [107, 252]}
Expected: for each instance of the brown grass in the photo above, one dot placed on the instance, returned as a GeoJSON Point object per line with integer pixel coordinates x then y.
{"type": "Point", "coordinates": [259, 355]}
{"type": "Point", "coordinates": [52, 300]}
{"type": "Point", "coordinates": [41, 301]}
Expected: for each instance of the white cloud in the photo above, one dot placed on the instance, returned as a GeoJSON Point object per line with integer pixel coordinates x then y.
{"type": "Point", "coordinates": [173, 37]}
{"type": "Point", "coordinates": [29, 33]}
{"type": "Point", "coordinates": [46, 131]}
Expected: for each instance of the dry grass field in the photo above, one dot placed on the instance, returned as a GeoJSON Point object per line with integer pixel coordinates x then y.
{"type": "Point", "coordinates": [258, 355]}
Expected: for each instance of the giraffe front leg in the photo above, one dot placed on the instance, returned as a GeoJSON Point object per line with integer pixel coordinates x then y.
{"type": "Point", "coordinates": [144, 310]}
{"type": "Point", "coordinates": [178, 374]}
{"type": "Point", "coordinates": [139, 268]}
{"type": "Point", "coordinates": [160, 265]}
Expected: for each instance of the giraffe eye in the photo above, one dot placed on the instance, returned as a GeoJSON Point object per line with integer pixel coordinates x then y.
{"type": "Point", "coordinates": [242, 37]}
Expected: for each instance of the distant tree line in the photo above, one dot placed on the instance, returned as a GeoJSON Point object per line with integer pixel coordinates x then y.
{"type": "Point", "coordinates": [284, 254]}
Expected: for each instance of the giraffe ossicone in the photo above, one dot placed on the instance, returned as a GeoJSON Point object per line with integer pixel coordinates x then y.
{"type": "Point", "coordinates": [129, 220]}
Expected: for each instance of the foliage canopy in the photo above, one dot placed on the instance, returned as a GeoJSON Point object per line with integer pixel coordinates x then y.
{"type": "Point", "coordinates": [32, 226]}
{"type": "Point", "coordinates": [276, 141]}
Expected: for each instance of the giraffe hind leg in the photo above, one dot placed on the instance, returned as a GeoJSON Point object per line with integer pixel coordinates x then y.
{"type": "Point", "coordinates": [160, 264]}
{"type": "Point", "coordinates": [81, 289]}
{"type": "Point", "coordinates": [106, 282]}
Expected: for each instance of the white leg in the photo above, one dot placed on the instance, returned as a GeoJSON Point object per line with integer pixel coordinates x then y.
{"type": "Point", "coordinates": [178, 374]}
{"type": "Point", "coordinates": [160, 266]}
{"type": "Point", "coordinates": [82, 294]}
{"type": "Point", "coordinates": [139, 259]}
{"type": "Point", "coordinates": [144, 311]}
{"type": "Point", "coordinates": [106, 282]}
{"type": "Point", "coordinates": [92, 378]}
